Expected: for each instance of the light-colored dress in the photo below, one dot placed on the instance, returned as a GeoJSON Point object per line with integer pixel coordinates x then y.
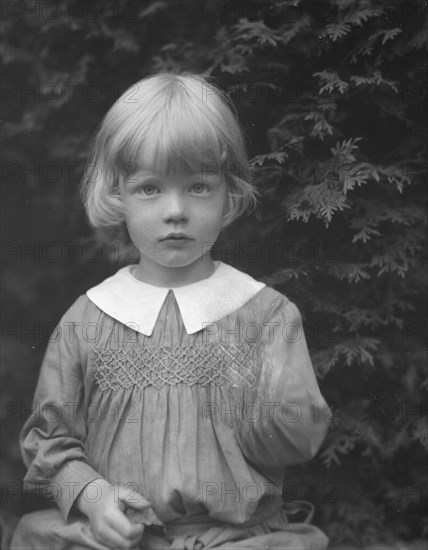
{"type": "Point", "coordinates": [196, 397]}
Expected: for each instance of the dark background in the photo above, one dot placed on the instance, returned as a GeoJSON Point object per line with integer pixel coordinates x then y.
{"type": "Point", "coordinates": [332, 98]}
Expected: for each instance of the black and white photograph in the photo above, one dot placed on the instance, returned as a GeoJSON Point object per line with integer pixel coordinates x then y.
{"type": "Point", "coordinates": [214, 252]}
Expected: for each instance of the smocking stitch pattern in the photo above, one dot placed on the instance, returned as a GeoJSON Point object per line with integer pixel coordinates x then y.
{"type": "Point", "coordinates": [202, 364]}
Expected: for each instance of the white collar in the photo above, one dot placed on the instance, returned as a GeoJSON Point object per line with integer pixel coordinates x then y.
{"type": "Point", "coordinates": [138, 304]}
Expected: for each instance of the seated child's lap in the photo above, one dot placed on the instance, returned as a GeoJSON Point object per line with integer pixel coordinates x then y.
{"type": "Point", "coordinates": [47, 530]}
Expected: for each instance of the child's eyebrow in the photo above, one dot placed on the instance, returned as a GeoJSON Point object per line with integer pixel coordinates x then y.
{"type": "Point", "coordinates": [211, 178]}
{"type": "Point", "coordinates": [139, 177]}
{"type": "Point", "coordinates": [145, 176]}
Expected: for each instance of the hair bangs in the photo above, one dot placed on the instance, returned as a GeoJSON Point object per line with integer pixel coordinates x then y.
{"type": "Point", "coordinates": [180, 139]}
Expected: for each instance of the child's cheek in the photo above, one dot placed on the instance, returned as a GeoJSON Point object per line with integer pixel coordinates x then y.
{"type": "Point", "coordinates": [140, 231]}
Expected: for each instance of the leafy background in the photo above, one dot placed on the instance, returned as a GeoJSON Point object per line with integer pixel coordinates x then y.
{"type": "Point", "coordinates": [332, 97]}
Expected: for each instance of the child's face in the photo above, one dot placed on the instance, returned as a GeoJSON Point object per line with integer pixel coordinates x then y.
{"type": "Point", "coordinates": [173, 220]}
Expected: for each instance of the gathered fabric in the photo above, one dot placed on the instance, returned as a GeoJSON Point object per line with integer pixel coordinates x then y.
{"type": "Point", "coordinates": [167, 415]}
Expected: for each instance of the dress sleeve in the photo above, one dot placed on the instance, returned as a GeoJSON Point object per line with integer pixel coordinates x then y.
{"type": "Point", "coordinates": [279, 421]}
{"type": "Point", "coordinates": [53, 438]}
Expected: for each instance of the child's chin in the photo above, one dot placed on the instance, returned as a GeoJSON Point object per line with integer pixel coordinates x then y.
{"type": "Point", "coordinates": [181, 260]}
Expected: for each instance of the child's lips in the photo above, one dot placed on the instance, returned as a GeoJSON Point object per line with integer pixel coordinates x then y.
{"type": "Point", "coordinates": [177, 237]}
{"type": "Point", "coordinates": [176, 241]}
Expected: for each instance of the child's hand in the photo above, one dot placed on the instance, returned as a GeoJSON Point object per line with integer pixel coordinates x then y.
{"type": "Point", "coordinates": [109, 523]}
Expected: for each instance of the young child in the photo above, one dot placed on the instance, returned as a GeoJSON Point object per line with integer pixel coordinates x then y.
{"type": "Point", "coordinates": [173, 394]}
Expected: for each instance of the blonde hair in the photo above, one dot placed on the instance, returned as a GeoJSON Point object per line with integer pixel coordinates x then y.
{"type": "Point", "coordinates": [161, 121]}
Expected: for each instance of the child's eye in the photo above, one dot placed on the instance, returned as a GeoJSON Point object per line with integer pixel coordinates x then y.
{"type": "Point", "coordinates": [199, 188]}
{"type": "Point", "coordinates": [148, 190]}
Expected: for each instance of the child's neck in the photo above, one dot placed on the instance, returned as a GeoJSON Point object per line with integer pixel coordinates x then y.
{"type": "Point", "coordinates": [156, 275]}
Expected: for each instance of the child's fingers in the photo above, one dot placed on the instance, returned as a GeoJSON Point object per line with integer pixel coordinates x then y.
{"type": "Point", "coordinates": [130, 532]}
{"type": "Point", "coordinates": [146, 516]}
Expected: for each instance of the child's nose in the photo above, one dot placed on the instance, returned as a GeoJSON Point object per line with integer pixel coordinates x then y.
{"type": "Point", "coordinates": [175, 208]}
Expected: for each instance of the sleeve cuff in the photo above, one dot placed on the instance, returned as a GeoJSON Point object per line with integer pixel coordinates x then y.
{"type": "Point", "coordinates": [70, 481]}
